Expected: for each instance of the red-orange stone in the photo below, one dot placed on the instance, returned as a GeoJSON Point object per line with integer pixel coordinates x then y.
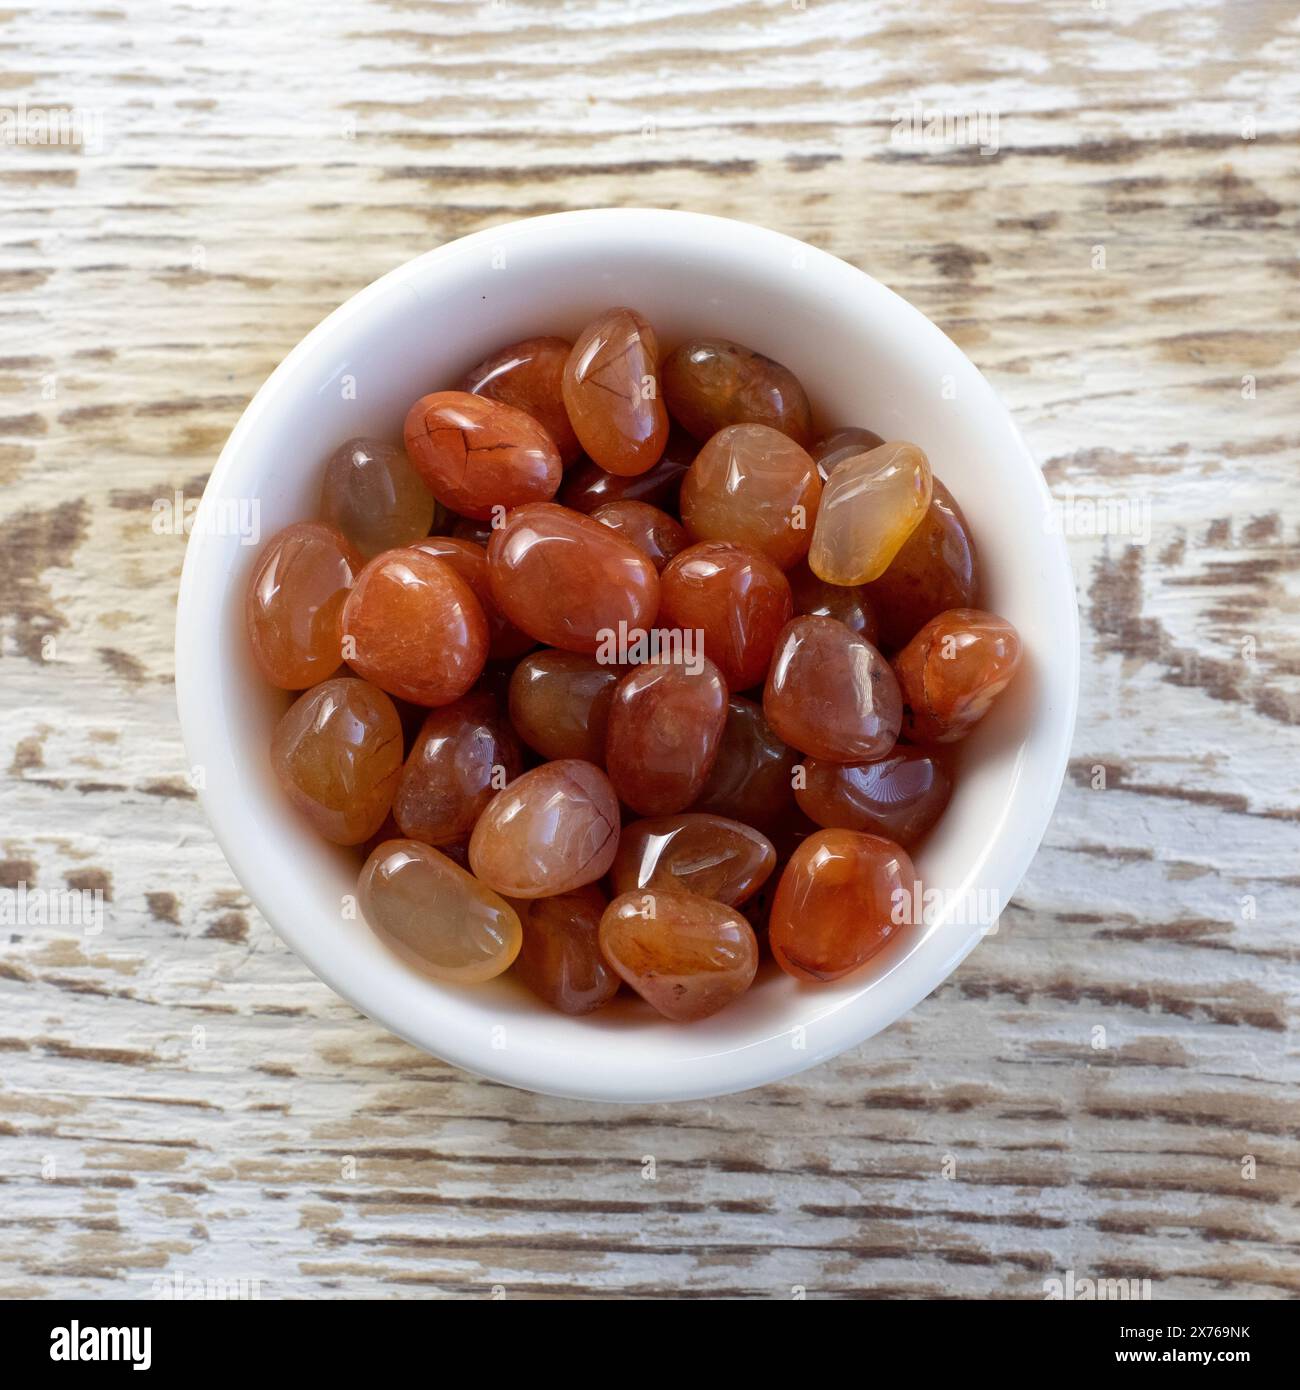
{"type": "Point", "coordinates": [751, 779]}
{"type": "Point", "coordinates": [693, 853]}
{"type": "Point", "coordinates": [550, 831]}
{"type": "Point", "coordinates": [685, 955]}
{"type": "Point", "coordinates": [736, 597]}
{"type": "Point", "coordinates": [529, 375]}
{"type": "Point", "coordinates": [655, 534]}
{"type": "Point", "coordinates": [665, 727]}
{"type": "Point", "coordinates": [413, 626]}
{"type": "Point", "coordinates": [294, 605]}
{"type": "Point", "coordinates": [837, 903]}
{"type": "Point", "coordinates": [559, 703]}
{"type": "Point", "coordinates": [831, 694]}
{"type": "Point", "coordinates": [477, 454]}
{"type": "Point", "coordinates": [611, 392]}
{"type": "Point", "coordinates": [952, 671]}
{"type": "Point", "coordinates": [337, 752]}
{"type": "Point", "coordinates": [849, 604]}
{"type": "Point", "coordinates": [505, 640]}
{"type": "Point", "coordinates": [588, 486]}
{"type": "Point", "coordinates": [561, 960]}
{"type": "Point", "coordinates": [935, 570]}
{"type": "Point", "coordinates": [463, 755]}
{"type": "Point", "coordinates": [899, 797]}
{"type": "Point", "coordinates": [567, 580]}
{"type": "Point", "coordinates": [710, 383]}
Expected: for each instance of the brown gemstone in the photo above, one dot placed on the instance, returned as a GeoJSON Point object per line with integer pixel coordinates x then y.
{"type": "Point", "coordinates": [529, 375]}
{"type": "Point", "coordinates": [841, 444]}
{"type": "Point", "coordinates": [655, 534]}
{"type": "Point", "coordinates": [849, 604]}
{"type": "Point", "coordinates": [751, 777]}
{"type": "Point", "coordinates": [559, 703]}
{"type": "Point", "coordinates": [375, 497]}
{"type": "Point", "coordinates": [693, 853]}
{"type": "Point", "coordinates": [899, 797]}
{"type": "Point", "coordinates": [505, 640]}
{"type": "Point", "coordinates": [561, 961]}
{"type": "Point", "coordinates": [710, 383]}
{"type": "Point", "coordinates": [588, 486]}
{"type": "Point", "coordinates": [951, 672]}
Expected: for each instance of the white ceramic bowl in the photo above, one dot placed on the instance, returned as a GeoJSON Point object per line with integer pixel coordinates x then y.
{"type": "Point", "coordinates": [866, 357]}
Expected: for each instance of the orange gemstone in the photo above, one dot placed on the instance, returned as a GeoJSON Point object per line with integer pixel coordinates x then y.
{"type": "Point", "coordinates": [294, 605]}
{"type": "Point", "coordinates": [529, 375]}
{"type": "Point", "coordinates": [611, 391]}
{"type": "Point", "coordinates": [838, 903]}
{"type": "Point", "coordinates": [685, 955]}
{"type": "Point", "coordinates": [899, 797]}
{"type": "Point", "coordinates": [709, 855]}
{"type": "Point", "coordinates": [559, 703]}
{"type": "Point", "coordinates": [413, 626]}
{"type": "Point", "coordinates": [655, 534]}
{"type": "Point", "coordinates": [871, 504]}
{"type": "Point", "coordinates": [710, 383]}
{"type": "Point", "coordinates": [952, 671]}
{"type": "Point", "coordinates": [375, 497]}
{"type": "Point", "coordinates": [850, 604]}
{"type": "Point", "coordinates": [505, 640]}
{"type": "Point", "coordinates": [550, 831]}
{"type": "Point", "coordinates": [567, 580]}
{"type": "Point", "coordinates": [751, 777]}
{"type": "Point", "coordinates": [478, 455]}
{"type": "Point", "coordinates": [588, 486]}
{"type": "Point", "coordinates": [337, 752]}
{"type": "Point", "coordinates": [561, 961]}
{"type": "Point", "coordinates": [753, 485]}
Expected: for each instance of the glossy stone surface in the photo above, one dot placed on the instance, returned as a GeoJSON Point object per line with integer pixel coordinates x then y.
{"type": "Point", "coordinates": [835, 905]}
{"type": "Point", "coordinates": [550, 831]}
{"type": "Point", "coordinates": [529, 375]}
{"type": "Point", "coordinates": [413, 626]}
{"type": "Point", "coordinates": [469, 560]}
{"type": "Point", "coordinates": [753, 485]}
{"type": "Point", "coordinates": [685, 955]}
{"type": "Point", "coordinates": [612, 395]}
{"type": "Point", "coordinates": [870, 505]}
{"type": "Point", "coordinates": [477, 454]}
{"type": "Point", "coordinates": [710, 383]}
{"type": "Point", "coordinates": [567, 580]}
{"type": "Point", "coordinates": [559, 703]}
{"type": "Point", "coordinates": [293, 609]}
{"type": "Point", "coordinates": [337, 752]}
{"type": "Point", "coordinates": [693, 853]}
{"type": "Point", "coordinates": [464, 754]}
{"type": "Point", "coordinates": [952, 671]}
{"type": "Point", "coordinates": [587, 485]}
{"type": "Point", "coordinates": [655, 534]}
{"type": "Point", "coordinates": [831, 694]}
{"type": "Point", "coordinates": [751, 777]}
{"type": "Point", "coordinates": [736, 597]}
{"type": "Point", "coordinates": [372, 494]}
{"type": "Point", "coordinates": [841, 444]}
{"type": "Point", "coordinates": [850, 604]}
{"type": "Point", "coordinates": [436, 915]}
{"type": "Point", "coordinates": [899, 797]}
{"type": "Point", "coordinates": [935, 570]}
{"type": "Point", "coordinates": [561, 961]}
{"type": "Point", "coordinates": [665, 728]}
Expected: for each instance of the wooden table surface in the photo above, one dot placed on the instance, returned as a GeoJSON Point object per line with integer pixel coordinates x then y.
{"type": "Point", "coordinates": [1107, 1086]}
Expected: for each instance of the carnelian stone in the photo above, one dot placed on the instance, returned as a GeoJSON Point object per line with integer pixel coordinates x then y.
{"type": "Point", "coordinates": [435, 915]}
{"type": "Point", "coordinates": [710, 383]}
{"type": "Point", "coordinates": [899, 797]}
{"type": "Point", "coordinates": [567, 580]}
{"type": "Point", "coordinates": [753, 485]}
{"type": "Point", "coordinates": [952, 671]}
{"type": "Point", "coordinates": [849, 604]}
{"type": "Point", "coordinates": [736, 597]}
{"type": "Point", "coordinates": [665, 727]}
{"type": "Point", "coordinates": [294, 605]}
{"type": "Point", "coordinates": [655, 534]}
{"type": "Point", "coordinates": [709, 855]}
{"type": "Point", "coordinates": [550, 831]}
{"type": "Point", "coordinates": [611, 392]}
{"type": "Point", "coordinates": [588, 486]}
{"type": "Point", "coordinates": [505, 640]}
{"type": "Point", "coordinates": [413, 626]}
{"type": "Point", "coordinates": [375, 497]}
{"type": "Point", "coordinates": [561, 960]}
{"type": "Point", "coordinates": [841, 444]}
{"type": "Point", "coordinates": [529, 375]}
{"type": "Point", "coordinates": [478, 454]}
{"type": "Point", "coordinates": [464, 754]}
{"type": "Point", "coordinates": [685, 955]}
{"type": "Point", "coordinates": [559, 703]}
{"type": "Point", "coordinates": [842, 897]}
{"type": "Point", "coordinates": [871, 504]}
{"type": "Point", "coordinates": [935, 570]}
{"type": "Point", "coordinates": [752, 775]}
{"type": "Point", "coordinates": [831, 694]}
{"type": "Point", "coordinates": [337, 752]}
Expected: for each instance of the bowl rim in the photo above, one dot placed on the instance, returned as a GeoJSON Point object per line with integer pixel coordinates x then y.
{"type": "Point", "coordinates": [721, 1071]}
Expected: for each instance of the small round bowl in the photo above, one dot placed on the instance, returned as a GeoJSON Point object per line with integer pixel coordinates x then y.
{"type": "Point", "coordinates": [867, 358]}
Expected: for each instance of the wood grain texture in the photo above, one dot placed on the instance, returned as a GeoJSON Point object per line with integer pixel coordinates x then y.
{"type": "Point", "coordinates": [179, 1094]}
